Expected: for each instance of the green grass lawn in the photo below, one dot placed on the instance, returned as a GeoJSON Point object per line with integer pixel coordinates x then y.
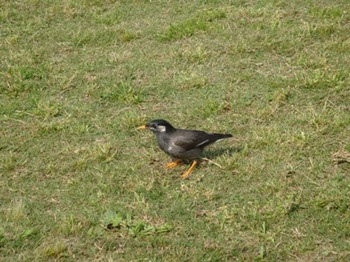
{"type": "Point", "coordinates": [78, 182]}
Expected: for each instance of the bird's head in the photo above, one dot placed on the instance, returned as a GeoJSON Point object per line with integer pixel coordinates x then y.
{"type": "Point", "coordinates": [158, 126]}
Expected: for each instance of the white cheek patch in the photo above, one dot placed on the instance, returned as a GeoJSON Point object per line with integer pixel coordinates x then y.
{"type": "Point", "coordinates": [161, 129]}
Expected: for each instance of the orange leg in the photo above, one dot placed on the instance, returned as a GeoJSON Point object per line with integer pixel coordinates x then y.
{"type": "Point", "coordinates": [173, 164]}
{"type": "Point", "coordinates": [188, 172]}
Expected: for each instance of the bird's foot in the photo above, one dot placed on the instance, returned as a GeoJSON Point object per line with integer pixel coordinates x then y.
{"type": "Point", "coordinates": [188, 172]}
{"type": "Point", "coordinates": [173, 164]}
{"type": "Point", "coordinates": [184, 175]}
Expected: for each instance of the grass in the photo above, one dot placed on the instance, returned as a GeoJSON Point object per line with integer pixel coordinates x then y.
{"type": "Point", "coordinates": [78, 182]}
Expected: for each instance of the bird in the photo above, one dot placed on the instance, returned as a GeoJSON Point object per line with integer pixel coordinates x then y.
{"type": "Point", "coordinates": [181, 144]}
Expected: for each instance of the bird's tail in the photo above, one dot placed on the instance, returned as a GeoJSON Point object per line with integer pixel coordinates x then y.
{"type": "Point", "coordinates": [214, 137]}
{"type": "Point", "coordinates": [220, 136]}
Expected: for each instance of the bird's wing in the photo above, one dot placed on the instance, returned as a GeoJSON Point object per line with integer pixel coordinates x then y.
{"type": "Point", "coordinates": [190, 139]}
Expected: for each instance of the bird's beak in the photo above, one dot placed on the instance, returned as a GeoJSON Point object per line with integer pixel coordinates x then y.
{"type": "Point", "coordinates": [141, 127]}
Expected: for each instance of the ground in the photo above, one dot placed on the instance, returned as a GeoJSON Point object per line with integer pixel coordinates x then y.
{"type": "Point", "coordinates": [78, 182]}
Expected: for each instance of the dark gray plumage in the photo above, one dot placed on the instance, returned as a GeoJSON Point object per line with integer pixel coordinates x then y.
{"type": "Point", "coordinates": [181, 144]}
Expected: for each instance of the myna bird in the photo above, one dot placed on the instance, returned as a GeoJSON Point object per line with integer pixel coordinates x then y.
{"type": "Point", "coordinates": [181, 144]}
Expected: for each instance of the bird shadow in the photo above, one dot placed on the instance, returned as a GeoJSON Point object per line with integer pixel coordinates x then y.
{"type": "Point", "coordinates": [229, 151]}
{"type": "Point", "coordinates": [212, 154]}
